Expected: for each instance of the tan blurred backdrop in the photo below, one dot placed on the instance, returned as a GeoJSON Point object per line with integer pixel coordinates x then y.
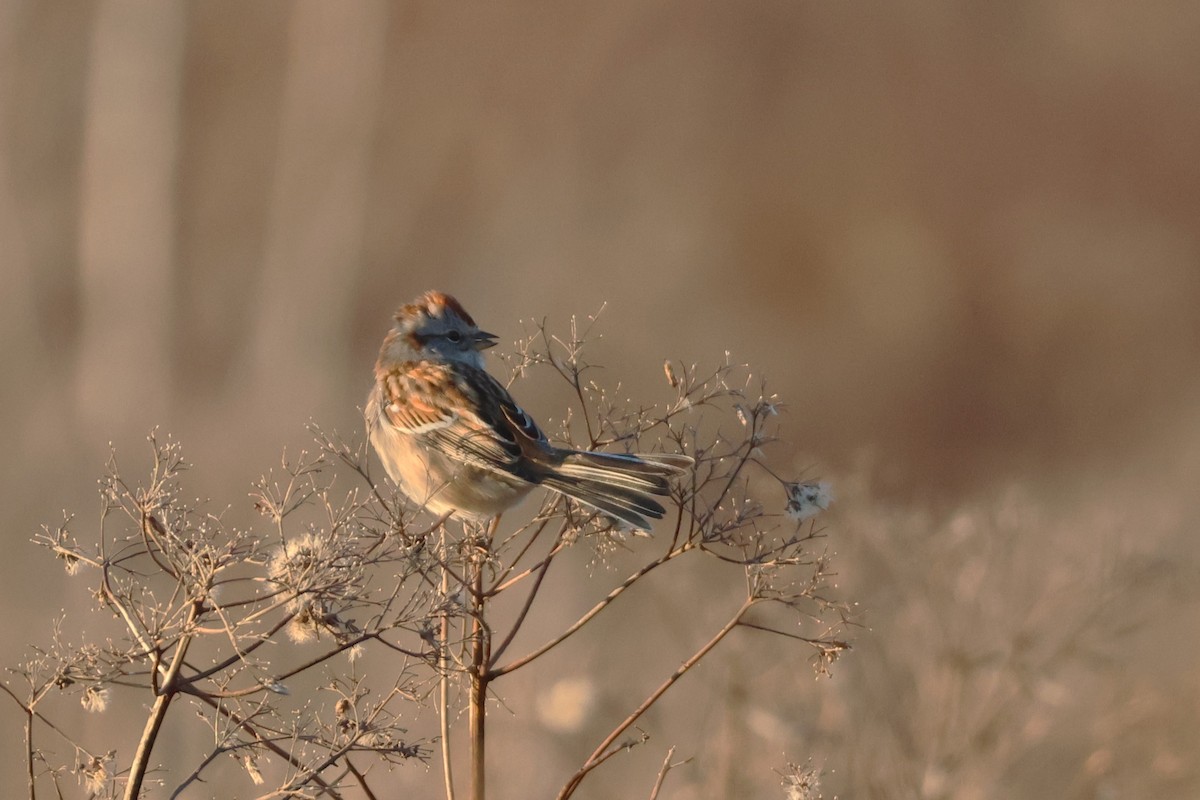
{"type": "Point", "coordinates": [962, 239]}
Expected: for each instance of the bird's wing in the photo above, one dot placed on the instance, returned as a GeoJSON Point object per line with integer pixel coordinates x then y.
{"type": "Point", "coordinates": [462, 412]}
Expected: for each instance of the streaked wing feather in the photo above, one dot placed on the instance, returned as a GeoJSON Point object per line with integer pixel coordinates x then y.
{"type": "Point", "coordinates": [438, 404]}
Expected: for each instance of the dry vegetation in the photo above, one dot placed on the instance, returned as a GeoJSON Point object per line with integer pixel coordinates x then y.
{"type": "Point", "coordinates": [259, 635]}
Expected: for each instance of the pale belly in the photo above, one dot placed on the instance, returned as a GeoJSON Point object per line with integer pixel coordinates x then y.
{"type": "Point", "coordinates": [439, 484]}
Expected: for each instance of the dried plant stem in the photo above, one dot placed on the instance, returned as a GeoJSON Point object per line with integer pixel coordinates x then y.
{"type": "Point", "coordinates": [606, 750]}
{"type": "Point", "coordinates": [478, 714]}
{"type": "Point", "coordinates": [667, 766]}
{"type": "Point", "coordinates": [29, 774]}
{"type": "Point", "coordinates": [213, 755]}
{"type": "Point", "coordinates": [480, 656]}
{"type": "Point", "coordinates": [444, 672]}
{"type": "Point", "coordinates": [362, 780]}
{"type": "Point", "coordinates": [166, 693]}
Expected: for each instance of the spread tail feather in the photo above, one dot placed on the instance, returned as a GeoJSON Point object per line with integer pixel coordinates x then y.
{"type": "Point", "coordinates": [631, 507]}
{"type": "Point", "coordinates": [619, 485]}
{"type": "Point", "coordinates": [649, 473]}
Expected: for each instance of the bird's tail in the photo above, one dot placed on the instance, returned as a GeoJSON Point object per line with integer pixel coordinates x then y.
{"type": "Point", "coordinates": [622, 486]}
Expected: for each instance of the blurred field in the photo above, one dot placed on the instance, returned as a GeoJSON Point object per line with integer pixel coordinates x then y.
{"type": "Point", "coordinates": [959, 238]}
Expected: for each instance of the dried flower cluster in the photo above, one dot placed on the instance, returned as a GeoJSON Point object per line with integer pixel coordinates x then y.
{"type": "Point", "coordinates": [801, 782]}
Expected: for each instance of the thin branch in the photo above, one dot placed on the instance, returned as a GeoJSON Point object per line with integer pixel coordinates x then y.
{"type": "Point", "coordinates": [361, 778]}
{"type": "Point", "coordinates": [240, 656]}
{"type": "Point", "coordinates": [502, 581]}
{"type": "Point", "coordinates": [533, 591]}
{"type": "Point", "coordinates": [823, 644]}
{"type": "Point", "coordinates": [667, 766]}
{"type": "Point", "coordinates": [532, 568]}
{"type": "Point", "coordinates": [596, 609]}
{"type": "Point", "coordinates": [195, 776]}
{"type": "Point", "coordinates": [602, 753]}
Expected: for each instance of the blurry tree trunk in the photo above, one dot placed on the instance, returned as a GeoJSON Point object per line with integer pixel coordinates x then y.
{"type": "Point", "coordinates": [127, 215]}
{"type": "Point", "coordinates": [316, 221]}
{"type": "Point", "coordinates": [43, 67]}
{"type": "Point", "coordinates": [17, 303]}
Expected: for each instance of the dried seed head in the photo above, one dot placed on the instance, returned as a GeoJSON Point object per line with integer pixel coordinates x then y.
{"type": "Point", "coordinates": [304, 626]}
{"type": "Point", "coordinates": [95, 698]}
{"type": "Point", "coordinates": [70, 562]}
{"type": "Point", "coordinates": [95, 773]}
{"type": "Point", "coordinates": [806, 500]}
{"type": "Point", "coordinates": [251, 766]}
{"type": "Point", "coordinates": [297, 558]}
{"type": "Point", "coordinates": [802, 782]}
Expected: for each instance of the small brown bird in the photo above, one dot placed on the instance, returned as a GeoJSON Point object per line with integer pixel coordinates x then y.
{"type": "Point", "coordinates": [455, 441]}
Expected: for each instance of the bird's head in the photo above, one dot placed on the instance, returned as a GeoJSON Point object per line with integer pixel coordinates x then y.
{"type": "Point", "coordinates": [435, 326]}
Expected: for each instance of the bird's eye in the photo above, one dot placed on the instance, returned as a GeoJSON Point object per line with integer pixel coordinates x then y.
{"type": "Point", "coordinates": [454, 336]}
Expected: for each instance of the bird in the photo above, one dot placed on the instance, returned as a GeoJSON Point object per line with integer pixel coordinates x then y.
{"type": "Point", "coordinates": [456, 442]}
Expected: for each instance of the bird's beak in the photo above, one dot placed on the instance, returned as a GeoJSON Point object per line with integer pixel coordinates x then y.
{"type": "Point", "coordinates": [484, 340]}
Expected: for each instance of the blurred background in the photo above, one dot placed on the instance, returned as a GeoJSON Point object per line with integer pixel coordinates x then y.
{"type": "Point", "coordinates": [960, 239]}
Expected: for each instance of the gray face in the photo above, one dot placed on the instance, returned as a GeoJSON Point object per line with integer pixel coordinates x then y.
{"type": "Point", "coordinates": [452, 338]}
{"type": "Point", "coordinates": [449, 338]}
